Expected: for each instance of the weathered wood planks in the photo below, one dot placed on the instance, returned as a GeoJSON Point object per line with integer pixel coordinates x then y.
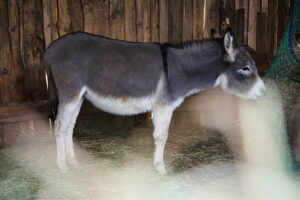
{"type": "Point", "coordinates": [28, 27]}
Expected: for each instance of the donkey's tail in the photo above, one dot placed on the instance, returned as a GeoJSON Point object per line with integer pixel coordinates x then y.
{"type": "Point", "coordinates": [52, 92]}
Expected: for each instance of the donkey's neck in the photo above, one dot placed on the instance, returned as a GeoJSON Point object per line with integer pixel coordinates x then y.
{"type": "Point", "coordinates": [193, 68]}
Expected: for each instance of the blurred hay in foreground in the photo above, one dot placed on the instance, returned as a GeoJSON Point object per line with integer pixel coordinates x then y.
{"type": "Point", "coordinates": [111, 164]}
{"type": "Point", "coordinates": [116, 161]}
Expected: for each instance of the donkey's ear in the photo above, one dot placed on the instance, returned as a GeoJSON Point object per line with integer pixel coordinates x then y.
{"type": "Point", "coordinates": [228, 43]}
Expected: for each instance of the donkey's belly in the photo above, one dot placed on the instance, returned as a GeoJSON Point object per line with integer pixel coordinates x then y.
{"type": "Point", "coordinates": [122, 105]}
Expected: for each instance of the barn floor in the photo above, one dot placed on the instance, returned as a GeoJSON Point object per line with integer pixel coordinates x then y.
{"type": "Point", "coordinates": [116, 161]}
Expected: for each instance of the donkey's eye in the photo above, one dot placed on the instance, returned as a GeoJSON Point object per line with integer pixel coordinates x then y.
{"type": "Point", "coordinates": [246, 69]}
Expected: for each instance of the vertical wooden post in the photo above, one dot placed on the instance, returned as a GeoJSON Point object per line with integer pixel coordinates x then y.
{"type": "Point", "coordinates": [261, 32]}
{"type": "Point", "coordinates": [198, 19]}
{"type": "Point", "coordinates": [88, 13]}
{"type": "Point", "coordinates": [240, 26]}
{"type": "Point", "coordinates": [146, 21]}
{"type": "Point", "coordinates": [32, 49]}
{"type": "Point", "coordinates": [139, 21]}
{"type": "Point", "coordinates": [283, 12]}
{"type": "Point", "coordinates": [64, 18]}
{"type": "Point", "coordinates": [154, 7]}
{"type": "Point", "coordinates": [116, 19]}
{"type": "Point", "coordinates": [245, 4]}
{"type": "Point", "coordinates": [175, 20]}
{"type": "Point", "coordinates": [271, 42]}
{"type": "Point", "coordinates": [76, 15]}
{"type": "Point", "coordinates": [50, 16]}
{"type": "Point", "coordinates": [163, 21]}
{"type": "Point", "coordinates": [130, 20]}
{"type": "Point", "coordinates": [6, 57]}
{"type": "Point", "coordinates": [96, 16]}
{"type": "Point", "coordinates": [17, 69]}
{"type": "Point", "coordinates": [101, 17]}
{"type": "Point", "coordinates": [187, 20]}
{"type": "Point", "coordinates": [264, 6]}
{"type": "Point", "coordinates": [211, 18]}
{"type": "Point", "coordinates": [143, 20]}
{"type": "Point", "coordinates": [254, 8]}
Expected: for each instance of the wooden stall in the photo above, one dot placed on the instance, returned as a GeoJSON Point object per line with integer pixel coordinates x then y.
{"type": "Point", "coordinates": [28, 27]}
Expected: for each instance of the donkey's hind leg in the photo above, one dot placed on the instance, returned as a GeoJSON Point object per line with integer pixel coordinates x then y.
{"type": "Point", "coordinates": [63, 128]}
{"type": "Point", "coordinates": [161, 121]}
{"type": "Point", "coordinates": [69, 136]}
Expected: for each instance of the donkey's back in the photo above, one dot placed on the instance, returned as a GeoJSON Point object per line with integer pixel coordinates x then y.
{"type": "Point", "coordinates": [110, 67]}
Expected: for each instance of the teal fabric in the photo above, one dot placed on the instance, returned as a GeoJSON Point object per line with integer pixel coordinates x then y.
{"type": "Point", "coordinates": [285, 68]}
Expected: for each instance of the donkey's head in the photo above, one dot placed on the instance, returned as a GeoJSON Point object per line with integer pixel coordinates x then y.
{"type": "Point", "coordinates": [239, 76]}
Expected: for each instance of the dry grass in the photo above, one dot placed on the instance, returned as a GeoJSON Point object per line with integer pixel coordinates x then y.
{"type": "Point", "coordinates": [109, 157]}
{"type": "Point", "coordinates": [115, 156]}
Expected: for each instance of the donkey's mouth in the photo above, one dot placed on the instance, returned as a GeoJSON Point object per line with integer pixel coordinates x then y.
{"type": "Point", "coordinates": [256, 91]}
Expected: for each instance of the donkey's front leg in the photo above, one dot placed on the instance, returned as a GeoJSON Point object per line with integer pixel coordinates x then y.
{"type": "Point", "coordinates": [161, 121]}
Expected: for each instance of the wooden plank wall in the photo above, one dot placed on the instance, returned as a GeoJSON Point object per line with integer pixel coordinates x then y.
{"type": "Point", "coordinates": [262, 22]}
{"type": "Point", "coordinates": [28, 27]}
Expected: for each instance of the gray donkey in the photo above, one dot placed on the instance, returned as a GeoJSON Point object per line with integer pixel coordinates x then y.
{"type": "Point", "coordinates": [128, 78]}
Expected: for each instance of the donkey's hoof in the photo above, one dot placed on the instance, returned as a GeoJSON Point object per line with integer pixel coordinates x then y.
{"type": "Point", "coordinates": [160, 168]}
{"type": "Point", "coordinates": [73, 163]}
{"type": "Point", "coordinates": [63, 167]}
{"type": "Point", "coordinates": [63, 170]}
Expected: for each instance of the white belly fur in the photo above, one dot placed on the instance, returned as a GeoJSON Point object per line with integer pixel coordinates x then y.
{"type": "Point", "coordinates": [121, 106]}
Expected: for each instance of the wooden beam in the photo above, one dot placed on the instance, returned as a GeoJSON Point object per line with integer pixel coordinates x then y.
{"type": "Point", "coordinates": [11, 133]}
{"type": "Point", "coordinates": [13, 113]}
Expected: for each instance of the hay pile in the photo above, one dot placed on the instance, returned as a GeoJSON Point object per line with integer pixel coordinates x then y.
{"type": "Point", "coordinates": [116, 161]}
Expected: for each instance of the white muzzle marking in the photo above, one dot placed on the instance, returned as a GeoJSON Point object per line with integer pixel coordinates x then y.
{"type": "Point", "coordinates": [256, 91]}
